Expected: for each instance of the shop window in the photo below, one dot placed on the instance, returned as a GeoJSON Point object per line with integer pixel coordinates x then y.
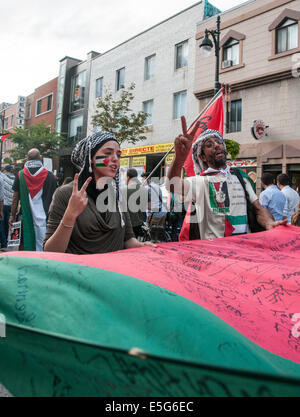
{"type": "Point", "coordinates": [179, 105]}
{"type": "Point", "coordinates": [234, 117]}
{"type": "Point", "coordinates": [149, 67]}
{"type": "Point", "coordinates": [148, 109]}
{"type": "Point", "coordinates": [293, 171]}
{"type": "Point", "coordinates": [77, 91]}
{"type": "Point", "coordinates": [181, 54]}
{"type": "Point", "coordinates": [275, 170]}
{"type": "Point", "coordinates": [120, 79]}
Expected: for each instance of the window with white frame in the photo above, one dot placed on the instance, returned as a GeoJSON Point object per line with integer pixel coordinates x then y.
{"type": "Point", "coordinates": [181, 55]}
{"type": "Point", "coordinates": [38, 107]}
{"type": "Point", "coordinates": [148, 109]}
{"type": "Point", "coordinates": [149, 67]}
{"type": "Point", "coordinates": [44, 104]}
{"type": "Point", "coordinates": [287, 36]}
{"type": "Point", "coordinates": [231, 53]}
{"type": "Point", "coordinates": [179, 108]}
{"type": "Point", "coordinates": [120, 79]}
{"type": "Point", "coordinates": [99, 87]}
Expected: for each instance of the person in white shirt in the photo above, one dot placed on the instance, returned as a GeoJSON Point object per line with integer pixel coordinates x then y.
{"type": "Point", "coordinates": [292, 197]}
{"type": "Point", "coordinates": [157, 212]}
{"type": "Point", "coordinates": [217, 193]}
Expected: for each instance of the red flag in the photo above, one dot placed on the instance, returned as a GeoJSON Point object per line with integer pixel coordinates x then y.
{"type": "Point", "coordinates": [3, 137]}
{"type": "Point", "coordinates": [212, 118]}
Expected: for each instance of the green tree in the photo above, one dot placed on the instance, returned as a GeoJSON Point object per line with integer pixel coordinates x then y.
{"type": "Point", "coordinates": [115, 116]}
{"type": "Point", "coordinates": [233, 148]}
{"type": "Point", "coordinates": [37, 136]}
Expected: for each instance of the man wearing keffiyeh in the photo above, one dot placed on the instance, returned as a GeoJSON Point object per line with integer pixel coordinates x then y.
{"type": "Point", "coordinates": [216, 192]}
{"type": "Point", "coordinates": [86, 216]}
{"type": "Point", "coordinates": [34, 187]}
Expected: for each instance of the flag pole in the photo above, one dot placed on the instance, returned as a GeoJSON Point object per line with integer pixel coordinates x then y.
{"type": "Point", "coordinates": [207, 106]}
{"type": "Point", "coordinates": [199, 115]}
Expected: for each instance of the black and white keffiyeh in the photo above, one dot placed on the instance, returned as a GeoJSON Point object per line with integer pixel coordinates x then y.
{"type": "Point", "coordinates": [199, 165]}
{"type": "Point", "coordinates": [87, 147]}
{"type": "Point", "coordinates": [82, 158]}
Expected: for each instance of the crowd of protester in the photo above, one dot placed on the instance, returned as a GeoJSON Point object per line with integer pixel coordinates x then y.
{"type": "Point", "coordinates": [93, 213]}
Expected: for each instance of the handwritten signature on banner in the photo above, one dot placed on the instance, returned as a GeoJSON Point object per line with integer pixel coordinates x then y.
{"type": "Point", "coordinates": [251, 282]}
{"type": "Point", "coordinates": [243, 280]}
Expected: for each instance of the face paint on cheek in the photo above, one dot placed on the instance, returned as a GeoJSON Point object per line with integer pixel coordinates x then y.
{"type": "Point", "coordinates": [102, 161]}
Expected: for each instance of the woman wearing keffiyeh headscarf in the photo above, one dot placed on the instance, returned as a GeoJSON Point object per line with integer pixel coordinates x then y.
{"type": "Point", "coordinates": [85, 216]}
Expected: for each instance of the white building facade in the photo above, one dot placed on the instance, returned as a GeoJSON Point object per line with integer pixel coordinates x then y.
{"type": "Point", "coordinates": [161, 63]}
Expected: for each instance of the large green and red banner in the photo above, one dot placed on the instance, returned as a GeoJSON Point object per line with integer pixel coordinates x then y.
{"type": "Point", "coordinates": [201, 318]}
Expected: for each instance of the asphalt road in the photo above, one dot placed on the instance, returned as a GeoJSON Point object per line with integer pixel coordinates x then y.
{"type": "Point", "coordinates": [4, 392]}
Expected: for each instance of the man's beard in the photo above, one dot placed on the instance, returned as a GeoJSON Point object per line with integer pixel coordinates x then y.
{"type": "Point", "coordinates": [216, 163]}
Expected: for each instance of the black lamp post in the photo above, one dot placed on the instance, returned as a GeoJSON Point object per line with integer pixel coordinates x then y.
{"type": "Point", "coordinates": [207, 45]}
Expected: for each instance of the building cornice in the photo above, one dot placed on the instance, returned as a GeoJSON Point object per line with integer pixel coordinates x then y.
{"type": "Point", "coordinates": [247, 15]}
{"type": "Point", "coordinates": [250, 83]}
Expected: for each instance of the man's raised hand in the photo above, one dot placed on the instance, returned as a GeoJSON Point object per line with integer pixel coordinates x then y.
{"type": "Point", "coordinates": [183, 143]}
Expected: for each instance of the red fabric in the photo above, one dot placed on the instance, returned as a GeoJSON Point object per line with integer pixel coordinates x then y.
{"type": "Point", "coordinates": [212, 118]}
{"type": "Point", "coordinates": [229, 229]}
{"type": "Point", "coordinates": [185, 230]}
{"type": "Point", "coordinates": [35, 184]}
{"type": "Point", "coordinates": [252, 282]}
{"type": "Point", "coordinates": [4, 137]}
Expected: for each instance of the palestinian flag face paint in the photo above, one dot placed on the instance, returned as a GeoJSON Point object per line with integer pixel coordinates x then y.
{"type": "Point", "coordinates": [102, 161]}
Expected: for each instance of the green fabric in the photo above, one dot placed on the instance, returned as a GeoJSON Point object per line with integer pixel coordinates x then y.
{"type": "Point", "coordinates": [27, 222]}
{"type": "Point", "coordinates": [70, 328]}
{"type": "Point", "coordinates": [237, 220]}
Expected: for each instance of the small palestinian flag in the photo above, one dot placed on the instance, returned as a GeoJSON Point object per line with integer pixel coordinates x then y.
{"type": "Point", "coordinates": [3, 137]}
{"type": "Point", "coordinates": [102, 161]}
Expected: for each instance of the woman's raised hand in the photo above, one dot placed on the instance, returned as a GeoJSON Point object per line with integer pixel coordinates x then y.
{"type": "Point", "coordinates": [79, 199]}
{"type": "Point", "coordinates": [183, 143]}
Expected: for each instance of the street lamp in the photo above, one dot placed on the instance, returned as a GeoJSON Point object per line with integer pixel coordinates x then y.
{"type": "Point", "coordinates": [207, 45]}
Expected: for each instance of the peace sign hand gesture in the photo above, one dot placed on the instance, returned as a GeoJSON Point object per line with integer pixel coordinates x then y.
{"type": "Point", "coordinates": [78, 200]}
{"type": "Point", "coordinates": [183, 143]}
